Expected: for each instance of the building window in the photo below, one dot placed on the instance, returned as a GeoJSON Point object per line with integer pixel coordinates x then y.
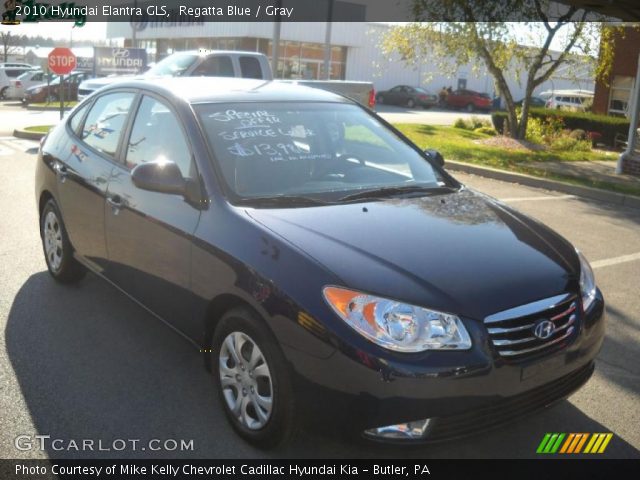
{"type": "Point", "coordinates": [620, 95]}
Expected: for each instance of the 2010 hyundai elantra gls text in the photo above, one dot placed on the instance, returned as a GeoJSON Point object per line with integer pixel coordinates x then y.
{"type": "Point", "coordinates": [331, 271]}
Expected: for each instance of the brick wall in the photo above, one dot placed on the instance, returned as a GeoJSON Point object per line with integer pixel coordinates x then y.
{"type": "Point", "coordinates": [625, 63]}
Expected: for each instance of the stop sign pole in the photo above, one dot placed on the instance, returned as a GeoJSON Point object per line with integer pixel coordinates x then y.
{"type": "Point", "coordinates": [61, 61]}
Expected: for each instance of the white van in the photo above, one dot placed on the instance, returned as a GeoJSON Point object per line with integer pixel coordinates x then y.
{"type": "Point", "coordinates": [576, 100]}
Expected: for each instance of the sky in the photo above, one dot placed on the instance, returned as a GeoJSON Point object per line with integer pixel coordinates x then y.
{"type": "Point", "coordinates": [61, 30]}
{"type": "Point", "coordinates": [66, 31]}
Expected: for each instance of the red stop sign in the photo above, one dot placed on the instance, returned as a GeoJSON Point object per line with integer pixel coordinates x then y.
{"type": "Point", "coordinates": [61, 61]}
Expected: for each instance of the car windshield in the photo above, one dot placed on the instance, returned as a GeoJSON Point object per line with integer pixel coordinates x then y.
{"type": "Point", "coordinates": [321, 151]}
{"type": "Point", "coordinates": [172, 66]}
{"type": "Point", "coordinates": [27, 75]}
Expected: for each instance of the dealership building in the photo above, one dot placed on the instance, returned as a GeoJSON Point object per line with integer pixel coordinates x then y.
{"type": "Point", "coordinates": [355, 53]}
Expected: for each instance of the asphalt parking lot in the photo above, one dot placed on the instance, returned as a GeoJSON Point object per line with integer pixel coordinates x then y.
{"type": "Point", "coordinates": [84, 362]}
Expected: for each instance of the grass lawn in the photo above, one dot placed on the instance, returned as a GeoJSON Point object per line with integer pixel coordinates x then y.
{"type": "Point", "coordinates": [55, 103]}
{"type": "Point", "coordinates": [39, 128]}
{"type": "Point", "coordinates": [458, 144]}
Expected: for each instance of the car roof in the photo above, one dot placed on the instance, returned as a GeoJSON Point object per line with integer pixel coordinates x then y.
{"type": "Point", "coordinates": [228, 89]}
{"type": "Point", "coordinates": [205, 52]}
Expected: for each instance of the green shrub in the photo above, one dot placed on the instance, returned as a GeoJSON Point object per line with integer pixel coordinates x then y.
{"type": "Point", "coordinates": [486, 130]}
{"type": "Point", "coordinates": [477, 122]}
{"type": "Point", "coordinates": [461, 123]}
{"type": "Point", "coordinates": [578, 134]}
{"type": "Point", "coordinates": [570, 144]}
{"type": "Point", "coordinates": [607, 126]}
{"type": "Point", "coordinates": [543, 130]}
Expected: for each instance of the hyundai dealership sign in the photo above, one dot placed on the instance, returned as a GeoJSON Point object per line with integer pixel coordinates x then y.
{"type": "Point", "coordinates": [118, 60]}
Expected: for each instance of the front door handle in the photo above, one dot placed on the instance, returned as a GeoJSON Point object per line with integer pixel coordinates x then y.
{"type": "Point", "coordinates": [116, 203]}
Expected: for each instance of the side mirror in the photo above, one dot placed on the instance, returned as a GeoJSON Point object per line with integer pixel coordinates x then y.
{"type": "Point", "coordinates": [159, 176]}
{"type": "Point", "coordinates": [435, 155]}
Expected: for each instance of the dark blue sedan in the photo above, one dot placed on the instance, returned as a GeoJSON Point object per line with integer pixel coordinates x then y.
{"type": "Point", "coordinates": [330, 272]}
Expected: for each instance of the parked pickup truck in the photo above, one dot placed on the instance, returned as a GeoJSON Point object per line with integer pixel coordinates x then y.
{"type": "Point", "coordinates": [224, 63]}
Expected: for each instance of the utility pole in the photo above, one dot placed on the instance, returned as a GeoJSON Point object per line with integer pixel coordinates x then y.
{"type": "Point", "coordinates": [634, 119]}
{"type": "Point", "coordinates": [275, 50]}
{"type": "Point", "coordinates": [327, 43]}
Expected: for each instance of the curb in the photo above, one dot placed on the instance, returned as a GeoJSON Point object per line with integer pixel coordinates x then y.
{"type": "Point", "coordinates": [25, 134]}
{"type": "Point", "coordinates": [47, 109]}
{"type": "Point", "coordinates": [537, 182]}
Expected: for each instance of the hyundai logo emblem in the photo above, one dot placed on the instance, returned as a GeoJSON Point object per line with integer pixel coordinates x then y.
{"type": "Point", "coordinates": [544, 329]}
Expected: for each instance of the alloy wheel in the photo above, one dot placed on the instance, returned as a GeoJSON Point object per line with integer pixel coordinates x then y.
{"type": "Point", "coordinates": [245, 379]}
{"type": "Point", "coordinates": [52, 235]}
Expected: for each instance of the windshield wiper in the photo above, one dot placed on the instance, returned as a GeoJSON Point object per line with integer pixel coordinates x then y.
{"type": "Point", "coordinates": [386, 192]}
{"type": "Point", "coordinates": [283, 200]}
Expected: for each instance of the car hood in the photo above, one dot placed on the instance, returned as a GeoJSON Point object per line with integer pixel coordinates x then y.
{"type": "Point", "coordinates": [461, 252]}
{"type": "Point", "coordinates": [35, 87]}
{"type": "Point", "coordinates": [96, 83]}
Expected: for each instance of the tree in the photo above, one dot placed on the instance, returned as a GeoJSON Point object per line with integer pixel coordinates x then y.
{"type": "Point", "coordinates": [477, 40]}
{"type": "Point", "coordinates": [9, 44]}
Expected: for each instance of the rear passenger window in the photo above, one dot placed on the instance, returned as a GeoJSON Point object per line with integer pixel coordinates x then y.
{"type": "Point", "coordinates": [220, 66]}
{"type": "Point", "coordinates": [157, 136]}
{"type": "Point", "coordinates": [11, 73]}
{"type": "Point", "coordinates": [250, 67]}
{"type": "Point", "coordinates": [76, 119]}
{"type": "Point", "coordinates": [105, 122]}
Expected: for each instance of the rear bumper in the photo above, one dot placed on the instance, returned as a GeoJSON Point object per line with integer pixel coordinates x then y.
{"type": "Point", "coordinates": [462, 391]}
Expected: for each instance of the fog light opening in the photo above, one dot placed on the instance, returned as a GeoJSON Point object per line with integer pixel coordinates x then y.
{"type": "Point", "coordinates": [415, 430]}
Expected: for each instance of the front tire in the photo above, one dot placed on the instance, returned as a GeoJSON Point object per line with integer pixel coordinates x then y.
{"type": "Point", "coordinates": [58, 252]}
{"type": "Point", "coordinates": [411, 103]}
{"type": "Point", "coordinates": [253, 380]}
{"type": "Point", "coordinates": [471, 107]}
{"type": "Point", "coordinates": [380, 99]}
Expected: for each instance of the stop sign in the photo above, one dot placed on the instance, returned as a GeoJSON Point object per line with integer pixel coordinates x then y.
{"type": "Point", "coordinates": [61, 61]}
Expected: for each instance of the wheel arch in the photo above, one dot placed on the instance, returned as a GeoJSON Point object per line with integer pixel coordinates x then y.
{"type": "Point", "coordinates": [216, 309]}
{"type": "Point", "coordinates": [45, 196]}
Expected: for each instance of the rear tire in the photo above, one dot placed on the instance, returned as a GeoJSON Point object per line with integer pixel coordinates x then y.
{"type": "Point", "coordinates": [3, 92]}
{"type": "Point", "coordinates": [253, 379]}
{"type": "Point", "coordinates": [471, 107]}
{"type": "Point", "coordinates": [58, 252]}
{"type": "Point", "coordinates": [411, 103]}
{"type": "Point", "coordinates": [380, 99]}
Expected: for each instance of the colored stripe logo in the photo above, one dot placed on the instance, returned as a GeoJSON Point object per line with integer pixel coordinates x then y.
{"type": "Point", "coordinates": [574, 443]}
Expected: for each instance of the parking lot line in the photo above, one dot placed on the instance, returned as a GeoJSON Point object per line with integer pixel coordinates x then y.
{"type": "Point", "coordinates": [535, 199]}
{"type": "Point", "coordinates": [615, 260]}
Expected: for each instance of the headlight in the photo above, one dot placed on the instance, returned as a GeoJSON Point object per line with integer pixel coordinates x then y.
{"type": "Point", "coordinates": [395, 325]}
{"type": "Point", "coordinates": [36, 91]}
{"type": "Point", "coordinates": [587, 282]}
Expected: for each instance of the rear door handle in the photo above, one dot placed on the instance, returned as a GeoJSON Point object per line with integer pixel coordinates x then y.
{"type": "Point", "coordinates": [61, 171]}
{"type": "Point", "coordinates": [116, 203]}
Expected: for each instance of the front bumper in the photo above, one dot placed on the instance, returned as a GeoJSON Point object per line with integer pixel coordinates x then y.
{"type": "Point", "coordinates": [461, 391]}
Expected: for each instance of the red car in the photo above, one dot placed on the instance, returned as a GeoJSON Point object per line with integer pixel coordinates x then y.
{"type": "Point", "coordinates": [469, 100]}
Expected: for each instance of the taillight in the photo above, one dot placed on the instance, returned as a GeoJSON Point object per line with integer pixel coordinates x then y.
{"type": "Point", "coordinates": [422, 97]}
{"type": "Point", "coordinates": [372, 98]}
{"type": "Point", "coordinates": [18, 84]}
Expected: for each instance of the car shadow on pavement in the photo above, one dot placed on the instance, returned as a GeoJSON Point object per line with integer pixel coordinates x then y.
{"type": "Point", "coordinates": [90, 364]}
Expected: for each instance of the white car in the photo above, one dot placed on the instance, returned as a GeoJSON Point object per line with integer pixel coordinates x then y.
{"type": "Point", "coordinates": [27, 80]}
{"type": "Point", "coordinates": [9, 73]}
{"type": "Point", "coordinates": [576, 100]}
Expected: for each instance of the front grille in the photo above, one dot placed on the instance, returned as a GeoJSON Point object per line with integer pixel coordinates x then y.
{"type": "Point", "coordinates": [513, 332]}
{"type": "Point", "coordinates": [503, 411]}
